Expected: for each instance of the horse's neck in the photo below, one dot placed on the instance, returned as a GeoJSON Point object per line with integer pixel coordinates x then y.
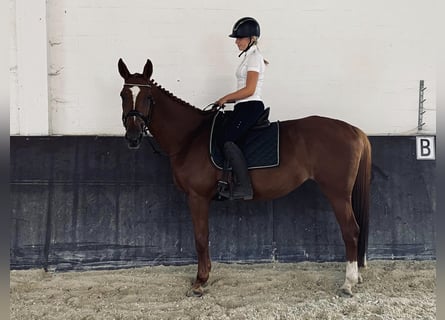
{"type": "Point", "coordinates": [174, 122]}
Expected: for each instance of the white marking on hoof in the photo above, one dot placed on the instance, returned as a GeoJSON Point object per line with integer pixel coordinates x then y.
{"type": "Point", "coordinates": [360, 278]}
{"type": "Point", "coordinates": [352, 278]}
{"type": "Point", "coordinates": [346, 292]}
{"type": "Point", "coordinates": [365, 262]}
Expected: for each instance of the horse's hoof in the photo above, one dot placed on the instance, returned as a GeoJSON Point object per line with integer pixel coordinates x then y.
{"type": "Point", "coordinates": [360, 278]}
{"type": "Point", "coordinates": [346, 292]}
{"type": "Point", "coordinates": [195, 292]}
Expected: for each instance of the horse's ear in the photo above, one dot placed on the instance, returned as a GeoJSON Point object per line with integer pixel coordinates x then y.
{"type": "Point", "coordinates": [123, 70]}
{"type": "Point", "coordinates": [148, 69]}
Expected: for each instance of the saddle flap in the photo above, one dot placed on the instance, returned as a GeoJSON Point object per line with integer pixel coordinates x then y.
{"type": "Point", "coordinates": [260, 147]}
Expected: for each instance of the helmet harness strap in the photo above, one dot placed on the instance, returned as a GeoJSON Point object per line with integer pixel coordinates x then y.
{"type": "Point", "coordinates": [248, 47]}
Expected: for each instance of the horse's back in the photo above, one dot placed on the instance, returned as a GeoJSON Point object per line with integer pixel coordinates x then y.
{"type": "Point", "coordinates": [322, 130]}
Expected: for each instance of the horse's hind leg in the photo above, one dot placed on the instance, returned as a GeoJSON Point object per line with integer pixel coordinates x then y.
{"type": "Point", "coordinates": [350, 232]}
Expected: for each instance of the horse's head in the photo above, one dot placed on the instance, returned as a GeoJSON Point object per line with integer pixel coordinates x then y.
{"type": "Point", "coordinates": [136, 102]}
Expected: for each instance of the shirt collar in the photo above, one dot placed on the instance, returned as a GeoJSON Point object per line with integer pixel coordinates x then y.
{"type": "Point", "coordinates": [251, 50]}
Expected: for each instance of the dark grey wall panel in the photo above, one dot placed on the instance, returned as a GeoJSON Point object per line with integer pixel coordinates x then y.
{"type": "Point", "coordinates": [89, 202]}
{"type": "Point", "coordinates": [305, 227]}
{"type": "Point", "coordinates": [403, 200]}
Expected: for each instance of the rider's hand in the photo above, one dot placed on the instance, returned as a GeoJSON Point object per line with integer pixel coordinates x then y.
{"type": "Point", "coordinates": [221, 102]}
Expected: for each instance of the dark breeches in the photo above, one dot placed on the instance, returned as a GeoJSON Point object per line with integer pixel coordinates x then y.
{"type": "Point", "coordinates": [243, 117]}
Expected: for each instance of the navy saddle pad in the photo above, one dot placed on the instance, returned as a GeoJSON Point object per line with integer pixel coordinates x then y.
{"type": "Point", "coordinates": [260, 147]}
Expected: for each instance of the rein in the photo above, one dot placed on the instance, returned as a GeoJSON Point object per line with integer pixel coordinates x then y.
{"type": "Point", "coordinates": [137, 84]}
{"type": "Point", "coordinates": [146, 119]}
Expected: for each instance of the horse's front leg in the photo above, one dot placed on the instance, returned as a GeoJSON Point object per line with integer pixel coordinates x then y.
{"type": "Point", "coordinates": [199, 209]}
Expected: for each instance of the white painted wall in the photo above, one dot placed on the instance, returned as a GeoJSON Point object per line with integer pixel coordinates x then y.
{"type": "Point", "coordinates": [353, 60]}
{"type": "Point", "coordinates": [4, 69]}
{"type": "Point", "coordinates": [29, 90]}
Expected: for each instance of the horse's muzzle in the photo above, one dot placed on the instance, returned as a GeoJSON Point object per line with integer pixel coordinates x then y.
{"type": "Point", "coordinates": [133, 140]}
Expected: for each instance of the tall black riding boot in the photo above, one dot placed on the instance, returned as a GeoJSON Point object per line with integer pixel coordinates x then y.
{"type": "Point", "coordinates": [242, 187]}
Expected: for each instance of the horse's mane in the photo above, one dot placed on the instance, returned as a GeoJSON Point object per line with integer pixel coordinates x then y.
{"type": "Point", "coordinates": [171, 95]}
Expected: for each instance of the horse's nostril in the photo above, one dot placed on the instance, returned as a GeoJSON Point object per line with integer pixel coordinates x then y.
{"type": "Point", "coordinates": [133, 139]}
{"type": "Point", "coordinates": [134, 144]}
{"type": "Point", "coordinates": [133, 135]}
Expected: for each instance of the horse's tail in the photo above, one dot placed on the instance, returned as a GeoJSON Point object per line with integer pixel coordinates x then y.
{"type": "Point", "coordinates": [360, 199]}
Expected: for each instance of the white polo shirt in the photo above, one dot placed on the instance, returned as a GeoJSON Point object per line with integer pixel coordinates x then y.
{"type": "Point", "coordinates": [252, 61]}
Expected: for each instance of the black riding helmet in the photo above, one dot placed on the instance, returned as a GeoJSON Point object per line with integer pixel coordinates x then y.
{"type": "Point", "coordinates": [245, 27]}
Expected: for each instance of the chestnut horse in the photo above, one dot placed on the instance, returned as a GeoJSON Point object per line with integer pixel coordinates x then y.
{"type": "Point", "coordinates": [335, 154]}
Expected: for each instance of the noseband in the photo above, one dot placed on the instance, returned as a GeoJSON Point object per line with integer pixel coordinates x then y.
{"type": "Point", "coordinates": [137, 114]}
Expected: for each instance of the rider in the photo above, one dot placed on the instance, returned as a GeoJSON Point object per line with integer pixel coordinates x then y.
{"type": "Point", "coordinates": [248, 103]}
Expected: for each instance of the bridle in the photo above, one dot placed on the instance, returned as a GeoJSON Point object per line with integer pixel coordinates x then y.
{"type": "Point", "coordinates": [138, 114]}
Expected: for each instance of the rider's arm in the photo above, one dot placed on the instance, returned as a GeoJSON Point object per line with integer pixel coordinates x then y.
{"type": "Point", "coordinates": [247, 91]}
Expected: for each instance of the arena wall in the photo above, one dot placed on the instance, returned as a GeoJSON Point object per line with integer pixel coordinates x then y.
{"type": "Point", "coordinates": [89, 202]}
